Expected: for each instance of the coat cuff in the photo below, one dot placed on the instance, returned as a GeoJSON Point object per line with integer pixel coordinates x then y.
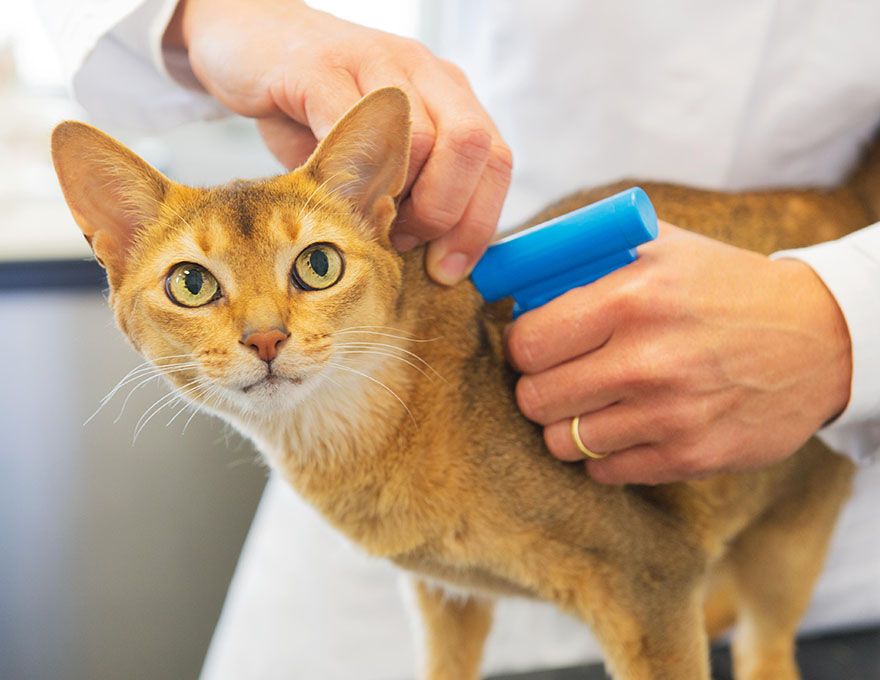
{"type": "Point", "coordinates": [123, 79]}
{"type": "Point", "coordinates": [850, 269]}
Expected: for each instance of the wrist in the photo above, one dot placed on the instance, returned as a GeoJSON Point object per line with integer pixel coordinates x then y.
{"type": "Point", "coordinates": [821, 318]}
{"type": "Point", "coordinates": [191, 15]}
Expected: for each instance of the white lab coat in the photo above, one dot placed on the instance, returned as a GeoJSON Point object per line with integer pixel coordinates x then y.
{"type": "Point", "coordinates": [715, 94]}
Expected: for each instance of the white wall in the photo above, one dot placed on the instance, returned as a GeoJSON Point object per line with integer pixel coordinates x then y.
{"type": "Point", "coordinates": [114, 558]}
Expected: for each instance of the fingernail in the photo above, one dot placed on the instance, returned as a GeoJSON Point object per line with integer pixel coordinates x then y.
{"type": "Point", "coordinates": [452, 268]}
{"type": "Point", "coordinates": [404, 242]}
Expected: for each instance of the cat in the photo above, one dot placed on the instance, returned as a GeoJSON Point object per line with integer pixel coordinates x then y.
{"type": "Point", "coordinates": [385, 400]}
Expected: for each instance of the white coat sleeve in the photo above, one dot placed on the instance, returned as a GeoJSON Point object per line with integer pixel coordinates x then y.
{"type": "Point", "coordinates": [850, 268]}
{"type": "Point", "coordinates": [111, 52]}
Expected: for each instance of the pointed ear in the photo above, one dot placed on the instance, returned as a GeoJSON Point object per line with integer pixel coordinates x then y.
{"type": "Point", "coordinates": [365, 157]}
{"type": "Point", "coordinates": [111, 191]}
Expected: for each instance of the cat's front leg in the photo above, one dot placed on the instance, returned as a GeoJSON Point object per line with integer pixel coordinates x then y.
{"type": "Point", "coordinates": [455, 627]}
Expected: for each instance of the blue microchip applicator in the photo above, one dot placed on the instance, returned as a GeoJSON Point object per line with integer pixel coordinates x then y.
{"type": "Point", "coordinates": [543, 262]}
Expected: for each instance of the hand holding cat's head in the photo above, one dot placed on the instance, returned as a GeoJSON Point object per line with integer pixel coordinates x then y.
{"type": "Point", "coordinates": [245, 290]}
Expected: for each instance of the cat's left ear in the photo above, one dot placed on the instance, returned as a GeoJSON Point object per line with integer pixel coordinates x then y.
{"type": "Point", "coordinates": [365, 157]}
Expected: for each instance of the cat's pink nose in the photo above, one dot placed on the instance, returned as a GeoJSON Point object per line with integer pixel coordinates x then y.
{"type": "Point", "coordinates": [265, 343]}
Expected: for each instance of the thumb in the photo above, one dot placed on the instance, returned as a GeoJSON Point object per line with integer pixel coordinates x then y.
{"type": "Point", "coordinates": [322, 100]}
{"type": "Point", "coordinates": [290, 142]}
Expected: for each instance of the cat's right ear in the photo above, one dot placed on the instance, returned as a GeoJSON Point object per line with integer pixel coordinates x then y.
{"type": "Point", "coordinates": [111, 191]}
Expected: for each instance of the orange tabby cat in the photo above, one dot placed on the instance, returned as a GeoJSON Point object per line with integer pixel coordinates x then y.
{"type": "Point", "coordinates": [385, 400]}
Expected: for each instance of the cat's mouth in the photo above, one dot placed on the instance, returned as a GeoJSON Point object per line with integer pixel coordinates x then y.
{"type": "Point", "coordinates": [271, 380]}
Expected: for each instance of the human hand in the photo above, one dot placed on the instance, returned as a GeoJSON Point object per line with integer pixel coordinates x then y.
{"type": "Point", "coordinates": [297, 70]}
{"type": "Point", "coordinates": [697, 358]}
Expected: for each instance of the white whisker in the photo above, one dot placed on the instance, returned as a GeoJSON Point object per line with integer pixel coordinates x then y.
{"type": "Point", "coordinates": [386, 345]}
{"type": "Point", "coordinates": [162, 402]}
{"type": "Point", "coordinates": [138, 371]}
{"type": "Point", "coordinates": [206, 386]}
{"type": "Point", "coordinates": [378, 382]}
{"type": "Point", "coordinates": [384, 354]}
{"type": "Point", "coordinates": [196, 410]}
{"type": "Point", "coordinates": [213, 392]}
{"type": "Point", "coordinates": [370, 329]}
{"type": "Point", "coordinates": [145, 374]}
{"type": "Point", "coordinates": [143, 382]}
{"type": "Point", "coordinates": [134, 375]}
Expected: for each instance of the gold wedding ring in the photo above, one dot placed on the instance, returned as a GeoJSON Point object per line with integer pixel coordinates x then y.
{"type": "Point", "coordinates": [576, 437]}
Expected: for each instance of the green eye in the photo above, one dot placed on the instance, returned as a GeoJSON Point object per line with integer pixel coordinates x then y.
{"type": "Point", "coordinates": [191, 285]}
{"type": "Point", "coordinates": [317, 267]}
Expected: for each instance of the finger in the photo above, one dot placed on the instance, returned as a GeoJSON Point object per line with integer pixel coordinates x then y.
{"type": "Point", "coordinates": [451, 191]}
{"type": "Point", "coordinates": [402, 241]}
{"type": "Point", "coordinates": [575, 323]}
{"type": "Point", "coordinates": [583, 385]}
{"type": "Point", "coordinates": [321, 100]}
{"type": "Point", "coordinates": [290, 142]}
{"type": "Point", "coordinates": [643, 464]}
{"type": "Point", "coordinates": [422, 139]}
{"type": "Point", "coordinates": [422, 130]}
{"type": "Point", "coordinates": [615, 428]}
{"type": "Point", "coordinates": [452, 256]}
{"type": "Point", "coordinates": [449, 178]}
{"type": "Point", "coordinates": [423, 134]}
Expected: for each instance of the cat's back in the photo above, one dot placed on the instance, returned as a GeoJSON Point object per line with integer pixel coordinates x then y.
{"type": "Point", "coordinates": [761, 221]}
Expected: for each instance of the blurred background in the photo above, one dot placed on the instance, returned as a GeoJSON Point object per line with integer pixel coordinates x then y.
{"type": "Point", "coordinates": [115, 554]}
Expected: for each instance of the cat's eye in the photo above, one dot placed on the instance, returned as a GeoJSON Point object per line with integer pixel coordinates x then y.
{"type": "Point", "coordinates": [191, 285]}
{"type": "Point", "coordinates": [317, 267]}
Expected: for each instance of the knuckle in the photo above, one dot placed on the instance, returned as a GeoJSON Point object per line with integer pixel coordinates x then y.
{"type": "Point", "coordinates": [652, 365]}
{"type": "Point", "coordinates": [629, 298]}
{"type": "Point", "coordinates": [671, 422]}
{"type": "Point", "coordinates": [478, 230]}
{"type": "Point", "coordinates": [434, 213]}
{"type": "Point", "coordinates": [478, 237]}
{"type": "Point", "coordinates": [415, 48]}
{"type": "Point", "coordinates": [501, 159]}
{"type": "Point", "coordinates": [327, 57]}
{"type": "Point", "coordinates": [529, 399]}
{"type": "Point", "coordinates": [638, 373]}
{"type": "Point", "coordinates": [628, 378]}
{"type": "Point", "coordinates": [470, 140]}
{"type": "Point", "coordinates": [421, 144]}
{"type": "Point", "coordinates": [412, 55]}
{"type": "Point", "coordinates": [455, 72]}
{"type": "Point", "coordinates": [521, 347]}
{"type": "Point", "coordinates": [690, 462]}
{"type": "Point", "coordinates": [554, 441]}
{"type": "Point", "coordinates": [602, 472]}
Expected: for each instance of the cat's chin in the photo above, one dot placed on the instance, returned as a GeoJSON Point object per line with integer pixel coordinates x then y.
{"type": "Point", "coordinates": [271, 382]}
{"type": "Point", "coordinates": [273, 393]}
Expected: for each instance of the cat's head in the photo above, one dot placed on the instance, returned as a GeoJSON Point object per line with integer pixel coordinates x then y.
{"type": "Point", "coordinates": [245, 291]}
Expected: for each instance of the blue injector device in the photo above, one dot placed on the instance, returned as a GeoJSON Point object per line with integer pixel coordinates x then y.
{"type": "Point", "coordinates": [544, 261]}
